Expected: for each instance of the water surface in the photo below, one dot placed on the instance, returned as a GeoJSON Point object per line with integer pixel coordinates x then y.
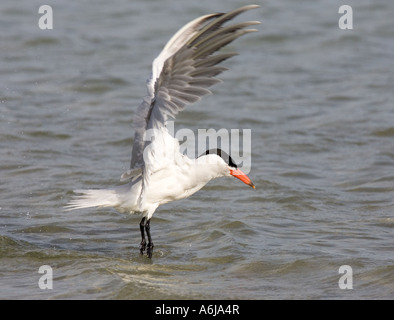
{"type": "Point", "coordinates": [319, 102]}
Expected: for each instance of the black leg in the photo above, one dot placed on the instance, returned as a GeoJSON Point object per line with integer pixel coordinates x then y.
{"type": "Point", "coordinates": [143, 242]}
{"type": "Point", "coordinates": [149, 251]}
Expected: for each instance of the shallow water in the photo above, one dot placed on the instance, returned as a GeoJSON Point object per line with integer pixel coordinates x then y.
{"type": "Point", "coordinates": [318, 101]}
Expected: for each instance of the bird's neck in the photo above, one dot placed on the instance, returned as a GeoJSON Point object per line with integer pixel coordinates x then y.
{"type": "Point", "coordinates": [206, 169]}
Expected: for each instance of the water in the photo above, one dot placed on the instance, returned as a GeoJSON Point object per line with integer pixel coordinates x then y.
{"type": "Point", "coordinates": [319, 102]}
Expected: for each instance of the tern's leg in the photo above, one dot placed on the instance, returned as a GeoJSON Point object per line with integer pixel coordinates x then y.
{"type": "Point", "coordinates": [143, 242]}
{"type": "Point", "coordinates": [150, 243]}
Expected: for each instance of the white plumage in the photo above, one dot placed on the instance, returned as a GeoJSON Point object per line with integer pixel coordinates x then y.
{"type": "Point", "coordinates": [181, 75]}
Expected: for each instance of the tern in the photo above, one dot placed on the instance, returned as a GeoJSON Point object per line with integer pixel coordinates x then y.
{"type": "Point", "coordinates": [159, 173]}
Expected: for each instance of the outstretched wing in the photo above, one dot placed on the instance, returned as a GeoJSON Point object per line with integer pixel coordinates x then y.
{"type": "Point", "coordinates": [183, 72]}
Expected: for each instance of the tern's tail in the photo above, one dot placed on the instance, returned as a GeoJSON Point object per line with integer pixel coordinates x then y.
{"type": "Point", "coordinates": [93, 198]}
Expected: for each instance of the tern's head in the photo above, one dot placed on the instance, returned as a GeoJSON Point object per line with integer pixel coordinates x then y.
{"type": "Point", "coordinates": [227, 164]}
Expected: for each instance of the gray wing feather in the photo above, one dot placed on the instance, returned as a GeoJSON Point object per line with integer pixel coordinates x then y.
{"type": "Point", "coordinates": [187, 73]}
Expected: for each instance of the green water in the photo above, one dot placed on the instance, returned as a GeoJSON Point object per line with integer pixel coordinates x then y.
{"type": "Point", "coordinates": [318, 101]}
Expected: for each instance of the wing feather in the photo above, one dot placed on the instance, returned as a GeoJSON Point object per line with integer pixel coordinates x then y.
{"type": "Point", "coordinates": [184, 70]}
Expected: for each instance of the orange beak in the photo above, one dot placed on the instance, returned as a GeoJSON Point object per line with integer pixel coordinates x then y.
{"type": "Point", "coordinates": [242, 176]}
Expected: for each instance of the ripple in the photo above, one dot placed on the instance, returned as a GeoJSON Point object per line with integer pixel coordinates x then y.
{"type": "Point", "coordinates": [388, 132]}
{"type": "Point", "coordinates": [46, 229]}
{"type": "Point", "coordinates": [96, 85]}
{"type": "Point", "coordinates": [300, 174]}
{"type": "Point", "coordinates": [320, 112]}
{"type": "Point", "coordinates": [48, 134]}
{"type": "Point", "coordinates": [42, 41]}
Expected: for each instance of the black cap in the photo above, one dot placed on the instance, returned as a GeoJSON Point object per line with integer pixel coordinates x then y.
{"type": "Point", "coordinates": [227, 158]}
